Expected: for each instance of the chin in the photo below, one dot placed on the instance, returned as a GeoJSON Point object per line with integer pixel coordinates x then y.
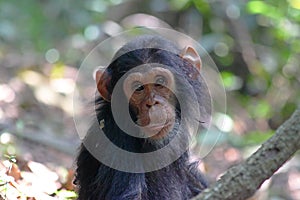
{"type": "Point", "coordinates": [158, 134]}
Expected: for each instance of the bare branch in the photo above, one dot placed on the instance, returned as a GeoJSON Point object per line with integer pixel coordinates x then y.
{"type": "Point", "coordinates": [241, 181]}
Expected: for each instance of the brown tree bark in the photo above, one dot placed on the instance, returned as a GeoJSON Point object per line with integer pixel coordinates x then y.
{"type": "Point", "coordinates": [242, 181]}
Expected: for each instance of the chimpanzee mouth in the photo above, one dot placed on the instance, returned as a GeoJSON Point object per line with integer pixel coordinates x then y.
{"type": "Point", "coordinates": [157, 131]}
{"type": "Point", "coordinates": [156, 126]}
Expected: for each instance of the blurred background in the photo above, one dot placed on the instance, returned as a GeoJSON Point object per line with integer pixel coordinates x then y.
{"type": "Point", "coordinates": [255, 45]}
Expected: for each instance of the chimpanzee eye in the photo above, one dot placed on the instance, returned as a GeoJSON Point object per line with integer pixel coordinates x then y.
{"type": "Point", "coordinates": [161, 81]}
{"type": "Point", "coordinates": [137, 86]}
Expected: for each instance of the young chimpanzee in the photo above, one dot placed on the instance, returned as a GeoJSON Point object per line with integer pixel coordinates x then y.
{"type": "Point", "coordinates": [158, 87]}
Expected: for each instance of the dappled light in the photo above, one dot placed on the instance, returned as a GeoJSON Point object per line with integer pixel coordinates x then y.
{"type": "Point", "coordinates": [255, 45]}
{"type": "Point", "coordinates": [7, 94]}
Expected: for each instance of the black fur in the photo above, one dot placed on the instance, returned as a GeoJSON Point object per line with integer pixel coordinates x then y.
{"type": "Point", "coordinates": [179, 181]}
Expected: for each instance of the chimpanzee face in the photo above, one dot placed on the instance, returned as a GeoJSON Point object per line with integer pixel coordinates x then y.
{"type": "Point", "coordinates": [150, 89]}
{"type": "Point", "coordinates": [150, 98]}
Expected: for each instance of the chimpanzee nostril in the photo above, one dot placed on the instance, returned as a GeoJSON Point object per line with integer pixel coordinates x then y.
{"type": "Point", "coordinates": [151, 102]}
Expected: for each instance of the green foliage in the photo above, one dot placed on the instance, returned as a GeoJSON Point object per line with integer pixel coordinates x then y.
{"type": "Point", "coordinates": [255, 43]}
{"type": "Point", "coordinates": [263, 8]}
{"type": "Point", "coordinates": [260, 109]}
{"type": "Point", "coordinates": [256, 138]}
{"type": "Point", "coordinates": [177, 5]}
{"type": "Point", "coordinates": [66, 194]}
{"type": "Point", "coordinates": [202, 6]}
{"type": "Point", "coordinates": [230, 81]}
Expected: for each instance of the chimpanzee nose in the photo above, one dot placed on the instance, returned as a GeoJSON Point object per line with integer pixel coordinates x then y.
{"type": "Point", "coordinates": [150, 104]}
{"type": "Point", "coordinates": [151, 101]}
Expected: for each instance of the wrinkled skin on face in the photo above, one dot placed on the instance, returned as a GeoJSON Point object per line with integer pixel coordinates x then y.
{"type": "Point", "coordinates": [150, 97]}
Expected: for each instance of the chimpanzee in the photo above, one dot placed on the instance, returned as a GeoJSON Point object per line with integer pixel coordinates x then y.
{"type": "Point", "coordinates": [159, 82]}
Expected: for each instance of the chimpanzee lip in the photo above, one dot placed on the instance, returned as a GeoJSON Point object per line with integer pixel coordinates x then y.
{"type": "Point", "coordinates": [158, 131]}
{"type": "Point", "coordinates": [157, 126]}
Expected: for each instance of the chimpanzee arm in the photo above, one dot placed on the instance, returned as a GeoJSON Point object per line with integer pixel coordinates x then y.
{"type": "Point", "coordinates": [134, 182]}
{"type": "Point", "coordinates": [98, 181]}
{"type": "Point", "coordinates": [197, 182]}
{"type": "Point", "coordinates": [85, 173]}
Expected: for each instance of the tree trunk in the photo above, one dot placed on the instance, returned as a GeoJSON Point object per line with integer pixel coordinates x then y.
{"type": "Point", "coordinates": [242, 181]}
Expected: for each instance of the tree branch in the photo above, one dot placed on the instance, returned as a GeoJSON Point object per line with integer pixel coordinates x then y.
{"type": "Point", "coordinates": [242, 181]}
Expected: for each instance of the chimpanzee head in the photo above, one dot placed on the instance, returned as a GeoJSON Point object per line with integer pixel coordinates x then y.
{"type": "Point", "coordinates": [151, 71]}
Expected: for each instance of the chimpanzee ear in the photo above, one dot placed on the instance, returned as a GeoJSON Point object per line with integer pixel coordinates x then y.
{"type": "Point", "coordinates": [190, 54]}
{"type": "Point", "coordinates": [102, 80]}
